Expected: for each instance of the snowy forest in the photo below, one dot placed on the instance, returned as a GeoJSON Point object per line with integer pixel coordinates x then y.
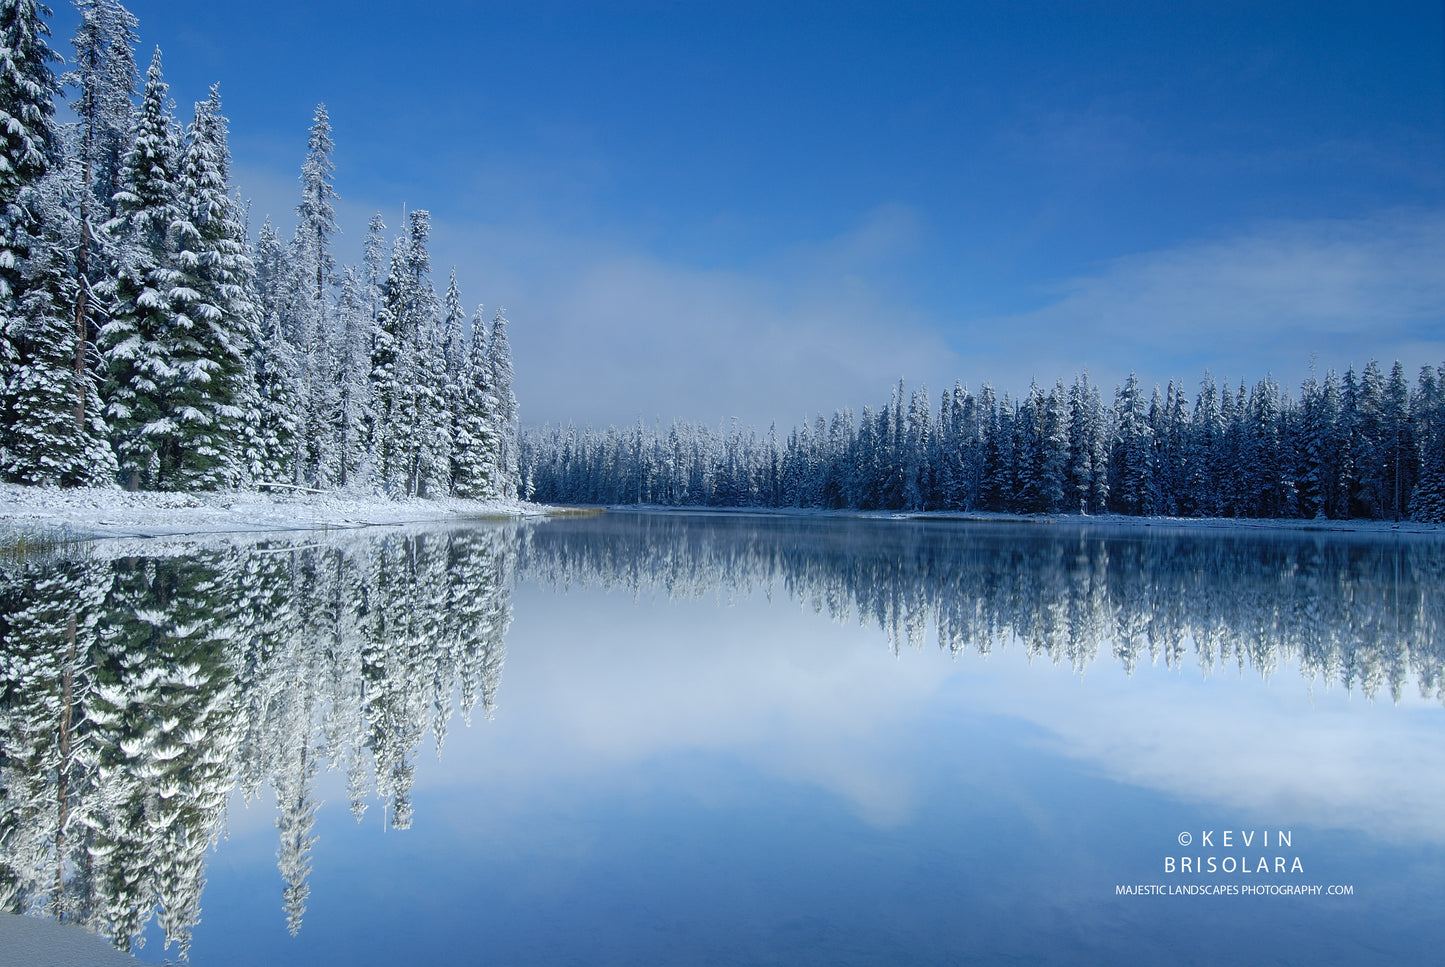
{"type": "Point", "coordinates": [147, 340]}
{"type": "Point", "coordinates": [147, 683]}
{"type": "Point", "coordinates": [1362, 445]}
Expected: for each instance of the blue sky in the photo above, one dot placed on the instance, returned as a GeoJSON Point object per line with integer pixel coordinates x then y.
{"type": "Point", "coordinates": [768, 210]}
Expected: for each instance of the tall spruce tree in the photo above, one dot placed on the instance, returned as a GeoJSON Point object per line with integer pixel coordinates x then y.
{"type": "Point", "coordinates": [28, 149]}
{"type": "Point", "coordinates": [105, 80]}
{"type": "Point", "coordinates": [355, 327]}
{"type": "Point", "coordinates": [213, 326]}
{"type": "Point", "coordinates": [1428, 501]}
{"type": "Point", "coordinates": [56, 433]}
{"type": "Point", "coordinates": [134, 339]}
{"type": "Point", "coordinates": [1131, 462]}
{"type": "Point", "coordinates": [389, 373]}
{"type": "Point", "coordinates": [316, 214]}
{"type": "Point", "coordinates": [507, 423]}
{"type": "Point", "coordinates": [317, 336]}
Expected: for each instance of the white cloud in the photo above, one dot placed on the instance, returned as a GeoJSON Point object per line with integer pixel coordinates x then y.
{"type": "Point", "coordinates": [606, 331]}
{"type": "Point", "coordinates": [596, 685]}
{"type": "Point", "coordinates": [605, 334]}
{"type": "Point", "coordinates": [1256, 302]}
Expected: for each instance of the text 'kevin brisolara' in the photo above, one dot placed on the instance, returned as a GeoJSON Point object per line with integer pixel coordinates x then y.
{"type": "Point", "coordinates": [1230, 889]}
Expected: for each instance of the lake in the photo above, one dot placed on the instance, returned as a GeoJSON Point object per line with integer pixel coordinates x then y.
{"type": "Point", "coordinates": [729, 739]}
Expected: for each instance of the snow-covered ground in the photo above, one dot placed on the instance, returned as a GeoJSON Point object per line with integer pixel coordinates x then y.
{"type": "Point", "coordinates": [84, 513]}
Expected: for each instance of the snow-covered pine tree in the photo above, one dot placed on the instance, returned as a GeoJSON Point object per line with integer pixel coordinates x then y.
{"type": "Point", "coordinates": [1000, 476]}
{"type": "Point", "coordinates": [507, 423]}
{"type": "Point", "coordinates": [1088, 474]}
{"type": "Point", "coordinates": [406, 362]}
{"type": "Point", "coordinates": [1401, 459]}
{"type": "Point", "coordinates": [354, 328]}
{"type": "Point", "coordinates": [391, 373]}
{"type": "Point", "coordinates": [270, 259]}
{"type": "Point", "coordinates": [454, 357]}
{"type": "Point", "coordinates": [434, 412]}
{"type": "Point", "coordinates": [474, 456]}
{"type": "Point", "coordinates": [277, 385]}
{"type": "Point", "coordinates": [56, 434]}
{"type": "Point", "coordinates": [1054, 450]}
{"type": "Point", "coordinates": [316, 214]}
{"type": "Point", "coordinates": [1334, 449]}
{"type": "Point", "coordinates": [311, 264]}
{"type": "Point", "coordinates": [1206, 442]}
{"type": "Point", "coordinates": [1027, 445]}
{"type": "Point", "coordinates": [317, 352]}
{"type": "Point", "coordinates": [916, 447]}
{"type": "Point", "coordinates": [1428, 501]}
{"type": "Point", "coordinates": [133, 338]}
{"type": "Point", "coordinates": [1130, 462]}
{"type": "Point", "coordinates": [1370, 445]}
{"type": "Point", "coordinates": [1311, 457]}
{"type": "Point", "coordinates": [105, 77]}
{"type": "Point", "coordinates": [1156, 416]}
{"type": "Point", "coordinates": [213, 327]}
{"type": "Point", "coordinates": [28, 149]}
{"type": "Point", "coordinates": [274, 363]}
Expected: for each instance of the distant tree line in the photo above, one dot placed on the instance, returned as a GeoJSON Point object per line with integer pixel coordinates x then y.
{"type": "Point", "coordinates": [1363, 445]}
{"type": "Point", "coordinates": [144, 339]}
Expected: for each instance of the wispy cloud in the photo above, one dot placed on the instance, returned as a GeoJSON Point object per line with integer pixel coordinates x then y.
{"type": "Point", "coordinates": [607, 334]}
{"type": "Point", "coordinates": [609, 329]}
{"type": "Point", "coordinates": [1262, 300]}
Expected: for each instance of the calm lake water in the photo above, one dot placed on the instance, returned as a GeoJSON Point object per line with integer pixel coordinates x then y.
{"type": "Point", "coordinates": [713, 739]}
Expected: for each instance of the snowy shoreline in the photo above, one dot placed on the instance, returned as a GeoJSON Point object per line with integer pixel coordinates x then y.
{"type": "Point", "coordinates": [108, 513]}
{"type": "Point", "coordinates": [102, 513]}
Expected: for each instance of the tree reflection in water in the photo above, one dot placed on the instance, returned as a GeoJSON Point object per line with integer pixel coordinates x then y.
{"type": "Point", "coordinates": [136, 692]}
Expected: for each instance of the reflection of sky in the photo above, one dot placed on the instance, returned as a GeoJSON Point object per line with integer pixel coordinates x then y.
{"type": "Point", "coordinates": [812, 701]}
{"type": "Point", "coordinates": [744, 782]}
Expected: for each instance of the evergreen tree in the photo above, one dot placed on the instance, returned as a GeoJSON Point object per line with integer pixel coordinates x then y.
{"type": "Point", "coordinates": [1088, 448]}
{"type": "Point", "coordinates": [56, 433]}
{"type": "Point", "coordinates": [1206, 443]}
{"type": "Point", "coordinates": [421, 413]}
{"type": "Point", "coordinates": [316, 214]}
{"type": "Point", "coordinates": [1428, 501]}
{"type": "Point", "coordinates": [1397, 440]}
{"type": "Point", "coordinates": [317, 337]}
{"type": "Point", "coordinates": [1370, 445]}
{"type": "Point", "coordinates": [134, 338]}
{"type": "Point", "coordinates": [28, 145]}
{"type": "Point", "coordinates": [28, 149]}
{"type": "Point", "coordinates": [1131, 460]}
{"type": "Point", "coordinates": [391, 373]}
{"type": "Point", "coordinates": [506, 419]}
{"type": "Point", "coordinates": [475, 471]}
{"type": "Point", "coordinates": [212, 329]}
{"type": "Point", "coordinates": [105, 76]}
{"type": "Point", "coordinates": [353, 367]}
{"type": "Point", "coordinates": [1054, 450]}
